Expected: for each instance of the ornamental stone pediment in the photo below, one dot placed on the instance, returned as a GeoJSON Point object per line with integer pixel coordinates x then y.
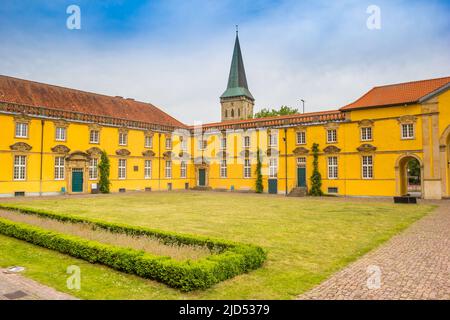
{"type": "Point", "coordinates": [78, 156]}
{"type": "Point", "coordinates": [407, 119]}
{"type": "Point", "coordinates": [272, 152]}
{"type": "Point", "coordinates": [148, 153]}
{"type": "Point", "coordinates": [184, 155]}
{"type": "Point", "coordinates": [246, 154]}
{"type": "Point", "coordinates": [366, 123]}
{"type": "Point", "coordinates": [94, 151]}
{"type": "Point", "coordinates": [222, 154]}
{"type": "Point", "coordinates": [168, 155]}
{"type": "Point", "coordinates": [20, 146]}
{"type": "Point", "coordinates": [366, 147]}
{"type": "Point", "coordinates": [300, 150]}
{"type": "Point", "coordinates": [60, 149]}
{"type": "Point", "coordinates": [123, 152]}
{"type": "Point", "coordinates": [331, 149]}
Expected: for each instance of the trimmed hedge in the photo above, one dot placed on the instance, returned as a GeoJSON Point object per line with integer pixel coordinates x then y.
{"type": "Point", "coordinates": [231, 259]}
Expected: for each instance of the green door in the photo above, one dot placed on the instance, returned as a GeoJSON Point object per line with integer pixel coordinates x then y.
{"type": "Point", "coordinates": [273, 186]}
{"type": "Point", "coordinates": [201, 177]}
{"type": "Point", "coordinates": [301, 177]}
{"type": "Point", "coordinates": [77, 181]}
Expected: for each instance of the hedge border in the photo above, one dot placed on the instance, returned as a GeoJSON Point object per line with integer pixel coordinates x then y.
{"type": "Point", "coordinates": [230, 260]}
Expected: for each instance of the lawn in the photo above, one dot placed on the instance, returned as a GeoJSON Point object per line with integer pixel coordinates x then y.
{"type": "Point", "coordinates": [307, 239]}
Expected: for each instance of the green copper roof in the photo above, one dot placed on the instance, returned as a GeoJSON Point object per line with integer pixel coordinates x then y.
{"type": "Point", "coordinates": [237, 81]}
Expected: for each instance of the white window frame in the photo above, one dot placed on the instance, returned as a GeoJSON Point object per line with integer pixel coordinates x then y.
{"type": "Point", "coordinates": [273, 168]}
{"type": "Point", "coordinates": [223, 143]}
{"type": "Point", "coordinates": [366, 134]}
{"type": "Point", "coordinates": [409, 130]}
{"type": "Point", "coordinates": [59, 170]}
{"type": "Point", "coordinates": [247, 142]}
{"type": "Point", "coordinates": [122, 172]}
{"type": "Point", "coordinates": [202, 144]}
{"type": "Point", "coordinates": [20, 168]}
{"type": "Point", "coordinates": [301, 162]}
{"type": "Point", "coordinates": [21, 130]}
{"type": "Point", "coordinates": [94, 136]}
{"type": "Point", "coordinates": [168, 169]}
{"type": "Point", "coordinates": [183, 169]}
{"type": "Point", "coordinates": [93, 169]}
{"type": "Point", "coordinates": [148, 142]}
{"type": "Point", "coordinates": [273, 140]}
{"type": "Point", "coordinates": [183, 144]}
{"type": "Point", "coordinates": [148, 169]}
{"type": "Point", "coordinates": [123, 138]}
{"type": "Point", "coordinates": [331, 135]}
{"type": "Point", "coordinates": [333, 168]}
{"type": "Point", "coordinates": [247, 168]}
{"type": "Point", "coordinates": [367, 167]}
{"type": "Point", "coordinates": [223, 168]}
{"type": "Point", "coordinates": [301, 137]}
{"type": "Point", "coordinates": [60, 134]}
{"type": "Point", "coordinates": [168, 143]}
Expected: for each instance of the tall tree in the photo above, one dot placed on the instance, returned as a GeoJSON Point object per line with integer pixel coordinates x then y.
{"type": "Point", "coordinates": [283, 111]}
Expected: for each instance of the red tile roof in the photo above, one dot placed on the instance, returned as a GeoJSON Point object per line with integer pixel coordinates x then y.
{"type": "Point", "coordinates": [395, 94]}
{"type": "Point", "coordinates": [292, 119]}
{"type": "Point", "coordinates": [30, 93]}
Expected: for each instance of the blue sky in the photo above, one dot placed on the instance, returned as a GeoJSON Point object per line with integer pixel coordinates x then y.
{"type": "Point", "coordinates": [176, 54]}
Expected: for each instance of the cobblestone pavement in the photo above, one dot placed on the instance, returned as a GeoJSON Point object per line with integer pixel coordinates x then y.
{"type": "Point", "coordinates": [17, 287]}
{"type": "Point", "coordinates": [414, 265]}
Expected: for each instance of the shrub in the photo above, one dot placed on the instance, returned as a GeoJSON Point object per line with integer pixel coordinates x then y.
{"type": "Point", "coordinates": [230, 260]}
{"type": "Point", "coordinates": [316, 178]}
{"type": "Point", "coordinates": [104, 170]}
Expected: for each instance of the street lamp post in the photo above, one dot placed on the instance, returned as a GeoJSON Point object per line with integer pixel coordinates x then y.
{"type": "Point", "coordinates": [303, 104]}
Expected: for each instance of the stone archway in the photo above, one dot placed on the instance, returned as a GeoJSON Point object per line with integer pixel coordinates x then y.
{"type": "Point", "coordinates": [444, 148]}
{"type": "Point", "coordinates": [405, 183]}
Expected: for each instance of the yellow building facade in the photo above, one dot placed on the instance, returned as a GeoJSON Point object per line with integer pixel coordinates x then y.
{"type": "Point", "coordinates": [51, 139]}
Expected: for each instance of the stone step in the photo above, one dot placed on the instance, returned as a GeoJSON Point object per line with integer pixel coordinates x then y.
{"type": "Point", "coordinates": [298, 192]}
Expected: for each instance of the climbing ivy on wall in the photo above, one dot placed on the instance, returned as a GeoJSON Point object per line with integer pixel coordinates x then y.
{"type": "Point", "coordinates": [316, 178]}
{"type": "Point", "coordinates": [259, 180]}
{"type": "Point", "coordinates": [104, 171]}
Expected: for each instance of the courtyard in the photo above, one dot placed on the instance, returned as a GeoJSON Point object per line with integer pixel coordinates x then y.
{"type": "Point", "coordinates": [307, 239]}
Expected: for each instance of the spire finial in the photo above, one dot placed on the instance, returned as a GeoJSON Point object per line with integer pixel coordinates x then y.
{"type": "Point", "coordinates": [237, 29]}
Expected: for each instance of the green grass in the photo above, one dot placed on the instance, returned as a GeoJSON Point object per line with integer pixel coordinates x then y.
{"type": "Point", "coordinates": [307, 240]}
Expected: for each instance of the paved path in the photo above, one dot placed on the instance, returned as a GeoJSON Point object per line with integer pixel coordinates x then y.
{"type": "Point", "coordinates": [17, 287]}
{"type": "Point", "coordinates": [414, 265]}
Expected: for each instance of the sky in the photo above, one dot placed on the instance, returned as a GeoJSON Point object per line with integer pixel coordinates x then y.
{"type": "Point", "coordinates": [176, 54]}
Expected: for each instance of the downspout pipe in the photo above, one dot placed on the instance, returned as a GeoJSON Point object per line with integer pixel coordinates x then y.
{"type": "Point", "coordinates": [42, 157]}
{"type": "Point", "coordinates": [285, 161]}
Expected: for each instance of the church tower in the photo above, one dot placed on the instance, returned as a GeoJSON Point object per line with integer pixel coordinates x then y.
{"type": "Point", "coordinates": [237, 101]}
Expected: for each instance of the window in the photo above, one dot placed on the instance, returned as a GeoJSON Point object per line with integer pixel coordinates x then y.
{"type": "Point", "coordinates": [366, 134]}
{"type": "Point", "coordinates": [332, 167]}
{"type": "Point", "coordinates": [20, 167]}
{"type": "Point", "coordinates": [183, 169]}
{"type": "Point", "coordinates": [232, 113]}
{"type": "Point", "coordinates": [301, 137]}
{"type": "Point", "coordinates": [247, 168]}
{"type": "Point", "coordinates": [122, 168]}
{"type": "Point", "coordinates": [273, 140]}
{"type": "Point", "coordinates": [168, 143]}
{"type": "Point", "coordinates": [202, 144]}
{"type": "Point", "coordinates": [223, 168]}
{"type": "Point", "coordinates": [331, 136]}
{"type": "Point", "coordinates": [168, 168]}
{"type": "Point", "coordinates": [226, 113]}
{"type": "Point", "coordinates": [273, 168]}
{"type": "Point", "coordinates": [408, 131]}
{"type": "Point", "coordinates": [94, 136]}
{"type": "Point", "coordinates": [59, 168]}
{"type": "Point", "coordinates": [93, 169]}
{"type": "Point", "coordinates": [60, 134]}
{"type": "Point", "coordinates": [223, 143]}
{"type": "Point", "coordinates": [333, 190]}
{"type": "Point", "coordinates": [367, 167]}
{"type": "Point", "coordinates": [148, 169]}
{"type": "Point", "coordinates": [301, 162]}
{"type": "Point", "coordinates": [239, 112]}
{"type": "Point", "coordinates": [123, 139]}
{"type": "Point", "coordinates": [247, 142]}
{"type": "Point", "coordinates": [184, 144]}
{"type": "Point", "coordinates": [148, 142]}
{"type": "Point", "coordinates": [21, 130]}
